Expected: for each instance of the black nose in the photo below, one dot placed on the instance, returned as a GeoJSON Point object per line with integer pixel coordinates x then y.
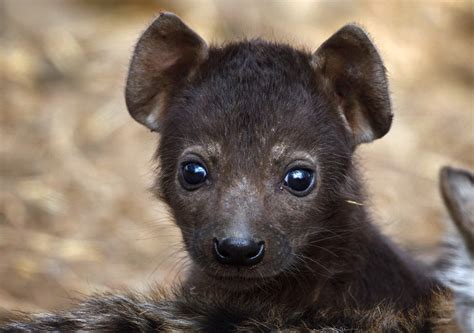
{"type": "Point", "coordinates": [238, 251]}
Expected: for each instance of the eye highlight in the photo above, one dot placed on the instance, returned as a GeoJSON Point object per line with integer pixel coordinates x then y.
{"type": "Point", "coordinates": [299, 181]}
{"type": "Point", "coordinates": [193, 174]}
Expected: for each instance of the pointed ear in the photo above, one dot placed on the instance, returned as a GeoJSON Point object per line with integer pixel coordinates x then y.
{"type": "Point", "coordinates": [167, 53]}
{"type": "Point", "coordinates": [457, 190]}
{"type": "Point", "coordinates": [354, 74]}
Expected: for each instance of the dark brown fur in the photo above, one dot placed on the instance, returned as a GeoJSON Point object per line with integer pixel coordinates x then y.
{"type": "Point", "coordinates": [248, 111]}
{"type": "Point", "coordinates": [185, 311]}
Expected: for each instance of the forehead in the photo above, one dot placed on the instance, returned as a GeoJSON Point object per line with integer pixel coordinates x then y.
{"type": "Point", "coordinates": [251, 97]}
{"type": "Point", "coordinates": [255, 78]}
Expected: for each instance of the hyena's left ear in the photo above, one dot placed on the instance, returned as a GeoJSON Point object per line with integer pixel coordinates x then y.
{"type": "Point", "coordinates": [354, 73]}
{"type": "Point", "coordinates": [167, 53]}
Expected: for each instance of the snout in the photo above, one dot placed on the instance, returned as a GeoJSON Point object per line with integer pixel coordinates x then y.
{"type": "Point", "coordinates": [238, 251]}
{"type": "Point", "coordinates": [240, 254]}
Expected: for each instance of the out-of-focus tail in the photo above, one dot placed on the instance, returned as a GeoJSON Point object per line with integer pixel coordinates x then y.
{"type": "Point", "coordinates": [456, 266]}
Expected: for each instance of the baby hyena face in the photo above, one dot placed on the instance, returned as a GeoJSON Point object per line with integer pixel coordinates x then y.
{"type": "Point", "coordinates": [256, 139]}
{"type": "Point", "coordinates": [251, 152]}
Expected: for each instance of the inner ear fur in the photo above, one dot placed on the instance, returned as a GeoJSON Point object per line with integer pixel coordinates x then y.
{"type": "Point", "coordinates": [166, 53]}
{"type": "Point", "coordinates": [355, 76]}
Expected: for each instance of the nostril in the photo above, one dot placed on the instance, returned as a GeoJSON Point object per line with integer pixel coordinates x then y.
{"type": "Point", "coordinates": [219, 252]}
{"type": "Point", "coordinates": [257, 251]}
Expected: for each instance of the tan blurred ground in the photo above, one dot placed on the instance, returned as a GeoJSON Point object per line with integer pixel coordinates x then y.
{"type": "Point", "coordinates": [75, 215]}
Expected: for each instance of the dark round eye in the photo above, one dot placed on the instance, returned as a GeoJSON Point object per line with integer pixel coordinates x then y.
{"type": "Point", "coordinates": [193, 174]}
{"type": "Point", "coordinates": [299, 181]}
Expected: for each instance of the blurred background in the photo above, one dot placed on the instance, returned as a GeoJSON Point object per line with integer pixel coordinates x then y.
{"type": "Point", "coordinates": [75, 213]}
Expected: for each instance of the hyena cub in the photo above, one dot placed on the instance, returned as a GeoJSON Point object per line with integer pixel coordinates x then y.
{"type": "Point", "coordinates": [456, 266]}
{"type": "Point", "coordinates": [256, 164]}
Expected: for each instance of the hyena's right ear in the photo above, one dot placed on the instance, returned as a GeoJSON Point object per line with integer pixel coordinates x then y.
{"type": "Point", "coordinates": [457, 189]}
{"type": "Point", "coordinates": [166, 53]}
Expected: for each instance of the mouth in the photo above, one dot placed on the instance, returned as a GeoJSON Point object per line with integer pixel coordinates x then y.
{"type": "Point", "coordinates": [234, 276]}
{"type": "Point", "coordinates": [241, 275]}
{"type": "Point", "coordinates": [237, 282]}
